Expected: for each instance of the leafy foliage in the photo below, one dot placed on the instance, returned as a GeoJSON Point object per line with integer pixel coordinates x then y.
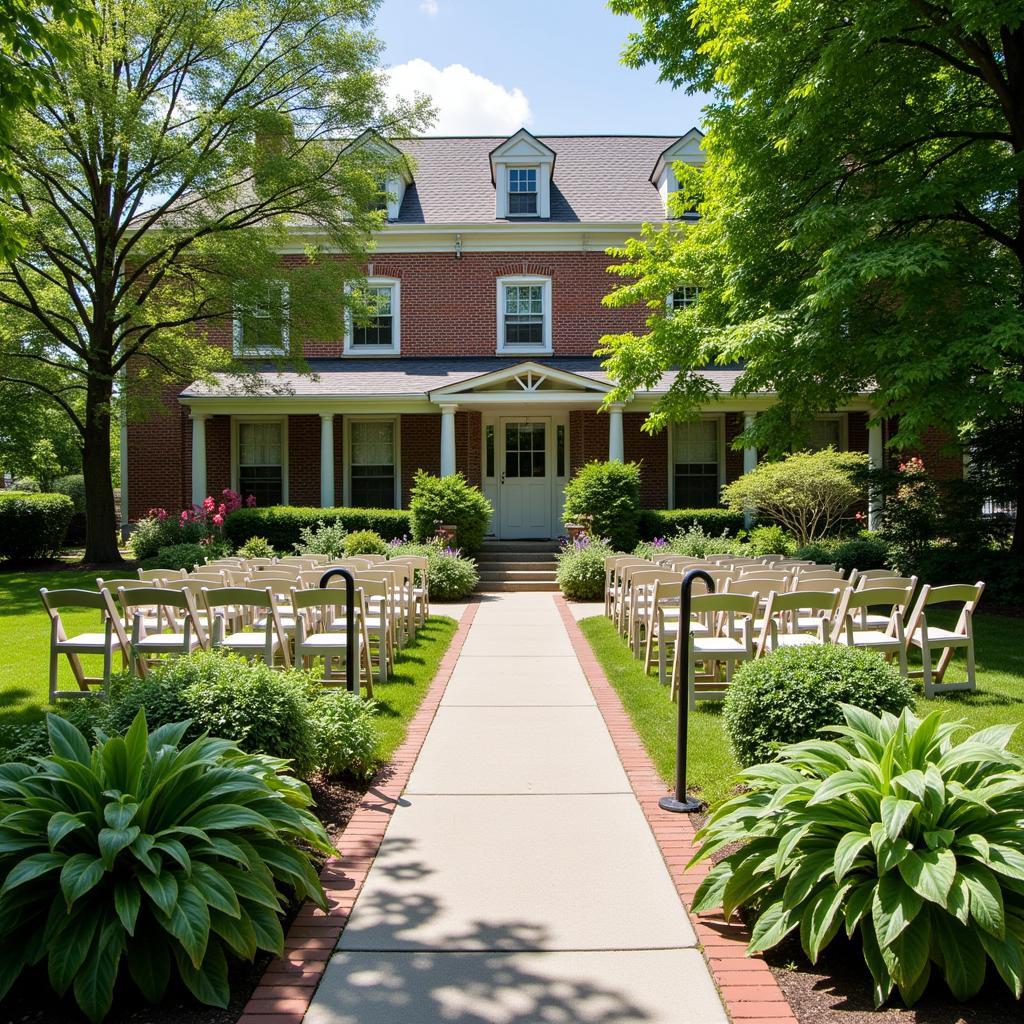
{"type": "Point", "coordinates": [185, 556]}
{"type": "Point", "coordinates": [283, 524]}
{"type": "Point", "coordinates": [346, 738]}
{"type": "Point", "coordinates": [606, 497]}
{"type": "Point", "coordinates": [665, 522]}
{"type": "Point", "coordinates": [146, 855]}
{"type": "Point", "coordinates": [581, 568]}
{"type": "Point", "coordinates": [322, 539]}
{"type": "Point", "coordinates": [74, 487]}
{"type": "Point", "coordinates": [365, 542]}
{"type": "Point", "coordinates": [694, 542]}
{"type": "Point", "coordinates": [769, 540]}
{"type": "Point", "coordinates": [256, 547]}
{"type": "Point", "coordinates": [792, 693]}
{"type": "Point", "coordinates": [809, 494]}
{"type": "Point", "coordinates": [33, 525]}
{"type": "Point", "coordinates": [438, 500]}
{"type": "Point", "coordinates": [896, 830]}
{"type": "Point", "coordinates": [451, 576]}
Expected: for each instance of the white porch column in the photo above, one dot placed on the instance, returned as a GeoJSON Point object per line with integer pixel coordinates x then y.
{"type": "Point", "coordinates": [876, 459]}
{"type": "Point", "coordinates": [198, 456]}
{"type": "Point", "coordinates": [616, 447]}
{"type": "Point", "coordinates": [448, 439]}
{"type": "Point", "coordinates": [749, 464]}
{"type": "Point", "coordinates": [326, 459]}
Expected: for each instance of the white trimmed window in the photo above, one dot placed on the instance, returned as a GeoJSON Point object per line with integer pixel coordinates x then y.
{"type": "Point", "coordinates": [684, 298]}
{"type": "Point", "coordinates": [697, 463]}
{"type": "Point", "coordinates": [373, 476]}
{"type": "Point", "coordinates": [524, 314]}
{"type": "Point", "coordinates": [261, 461]}
{"type": "Point", "coordinates": [261, 328]}
{"type": "Point", "coordinates": [522, 192]}
{"type": "Point", "coordinates": [377, 329]}
{"type": "Point", "coordinates": [826, 431]}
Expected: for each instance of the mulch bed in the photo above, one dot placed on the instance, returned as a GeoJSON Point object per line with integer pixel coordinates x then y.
{"type": "Point", "coordinates": [32, 1002]}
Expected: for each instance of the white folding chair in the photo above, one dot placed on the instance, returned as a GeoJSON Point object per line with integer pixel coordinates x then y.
{"type": "Point", "coordinates": [251, 603]}
{"type": "Point", "coordinates": [928, 638]}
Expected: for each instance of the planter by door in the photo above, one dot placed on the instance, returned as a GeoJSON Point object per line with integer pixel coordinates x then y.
{"type": "Point", "coordinates": [525, 481]}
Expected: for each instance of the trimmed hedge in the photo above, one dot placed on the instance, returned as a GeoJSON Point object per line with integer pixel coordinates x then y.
{"type": "Point", "coordinates": [33, 525]}
{"type": "Point", "coordinates": [281, 524]}
{"type": "Point", "coordinates": [665, 522]}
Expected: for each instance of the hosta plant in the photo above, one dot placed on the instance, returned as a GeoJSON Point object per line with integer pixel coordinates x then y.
{"type": "Point", "coordinates": [144, 855]}
{"type": "Point", "coordinates": [903, 830]}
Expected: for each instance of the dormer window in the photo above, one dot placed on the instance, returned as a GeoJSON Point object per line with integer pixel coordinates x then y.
{"type": "Point", "coordinates": [686, 150]}
{"type": "Point", "coordinates": [522, 191]}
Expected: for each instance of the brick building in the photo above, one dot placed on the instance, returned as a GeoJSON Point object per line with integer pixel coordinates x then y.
{"type": "Point", "coordinates": [488, 278]}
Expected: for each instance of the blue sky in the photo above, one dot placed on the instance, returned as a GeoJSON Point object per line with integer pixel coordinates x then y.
{"type": "Point", "coordinates": [492, 66]}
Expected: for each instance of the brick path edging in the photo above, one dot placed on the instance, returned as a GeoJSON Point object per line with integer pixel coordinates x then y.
{"type": "Point", "coordinates": [286, 989]}
{"type": "Point", "coordinates": [748, 988]}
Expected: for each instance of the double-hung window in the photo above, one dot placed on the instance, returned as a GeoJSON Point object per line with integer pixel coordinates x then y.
{"type": "Point", "coordinates": [260, 323]}
{"type": "Point", "coordinates": [696, 463]}
{"type": "Point", "coordinates": [261, 461]}
{"type": "Point", "coordinates": [524, 315]}
{"type": "Point", "coordinates": [375, 326]}
{"type": "Point", "coordinates": [372, 463]}
{"type": "Point", "coordinates": [522, 191]}
{"type": "Point", "coordinates": [826, 432]}
{"type": "Point", "coordinates": [684, 297]}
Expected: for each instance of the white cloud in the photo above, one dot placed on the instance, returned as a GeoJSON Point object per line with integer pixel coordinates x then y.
{"type": "Point", "coordinates": [429, 7]}
{"type": "Point", "coordinates": [466, 103]}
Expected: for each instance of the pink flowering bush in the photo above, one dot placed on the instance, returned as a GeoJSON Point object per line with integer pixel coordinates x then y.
{"type": "Point", "coordinates": [200, 524]}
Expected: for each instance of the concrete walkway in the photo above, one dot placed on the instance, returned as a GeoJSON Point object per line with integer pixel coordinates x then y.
{"type": "Point", "coordinates": [518, 882]}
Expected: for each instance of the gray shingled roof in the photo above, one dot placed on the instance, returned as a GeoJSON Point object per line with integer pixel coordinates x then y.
{"type": "Point", "coordinates": [596, 178]}
{"type": "Point", "coordinates": [412, 377]}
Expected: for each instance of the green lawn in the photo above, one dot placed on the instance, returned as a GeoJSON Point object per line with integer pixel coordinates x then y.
{"type": "Point", "coordinates": [25, 641]}
{"type": "Point", "coordinates": [711, 767]}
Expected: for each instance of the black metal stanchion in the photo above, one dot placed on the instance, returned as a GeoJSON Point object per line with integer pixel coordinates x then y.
{"type": "Point", "coordinates": [351, 681]}
{"type": "Point", "coordinates": [680, 802]}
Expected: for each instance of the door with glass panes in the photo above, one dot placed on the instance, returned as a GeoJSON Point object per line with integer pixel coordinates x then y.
{"type": "Point", "coordinates": [525, 480]}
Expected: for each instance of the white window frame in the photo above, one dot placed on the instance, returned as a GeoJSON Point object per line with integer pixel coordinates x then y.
{"type": "Point", "coordinates": [720, 418]}
{"type": "Point", "coordinates": [236, 450]}
{"type": "Point", "coordinates": [843, 420]}
{"type": "Point", "coordinates": [395, 348]}
{"type": "Point", "coordinates": [238, 341]}
{"type": "Point", "coordinates": [520, 280]}
{"type": "Point", "coordinates": [509, 193]}
{"type": "Point", "coordinates": [670, 298]}
{"type": "Point", "coordinates": [347, 422]}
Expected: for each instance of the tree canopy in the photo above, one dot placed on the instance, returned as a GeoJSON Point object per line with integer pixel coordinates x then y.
{"type": "Point", "coordinates": [156, 185]}
{"type": "Point", "coordinates": [861, 212]}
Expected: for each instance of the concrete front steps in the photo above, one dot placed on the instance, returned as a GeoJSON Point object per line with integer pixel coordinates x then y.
{"type": "Point", "coordinates": [523, 565]}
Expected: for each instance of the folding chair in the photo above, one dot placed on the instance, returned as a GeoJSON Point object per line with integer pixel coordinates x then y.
{"type": "Point", "coordinates": [889, 639]}
{"type": "Point", "coordinates": [907, 583]}
{"type": "Point", "coordinates": [420, 565]}
{"type": "Point", "coordinates": [613, 581]}
{"type": "Point", "coordinates": [781, 626]}
{"type": "Point", "coordinates": [377, 613]}
{"type": "Point", "coordinates": [640, 605]}
{"type": "Point", "coordinates": [276, 569]}
{"type": "Point", "coordinates": [251, 602]}
{"type": "Point", "coordinates": [734, 644]}
{"type": "Point", "coordinates": [111, 639]}
{"type": "Point", "coordinates": [148, 647]}
{"type": "Point", "coordinates": [154, 622]}
{"type": "Point", "coordinates": [932, 638]}
{"type": "Point", "coordinates": [159, 575]}
{"type": "Point", "coordinates": [625, 596]}
{"type": "Point", "coordinates": [663, 624]}
{"type": "Point", "coordinates": [317, 613]}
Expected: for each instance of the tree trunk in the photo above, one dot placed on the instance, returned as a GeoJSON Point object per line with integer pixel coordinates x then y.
{"type": "Point", "coordinates": [100, 515]}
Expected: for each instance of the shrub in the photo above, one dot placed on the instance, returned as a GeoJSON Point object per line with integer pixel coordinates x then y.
{"type": "Point", "coordinates": [607, 495]}
{"type": "Point", "coordinates": [33, 526]}
{"type": "Point", "coordinates": [159, 530]}
{"type": "Point", "coordinates": [695, 543]}
{"type": "Point", "coordinates": [809, 493]}
{"type": "Point", "coordinates": [769, 540]}
{"type": "Point", "coordinates": [247, 702]}
{"type": "Point", "coordinates": [895, 829]}
{"type": "Point", "coordinates": [867, 550]}
{"type": "Point", "coordinates": [282, 524]}
{"type": "Point", "coordinates": [26, 485]}
{"type": "Point", "coordinates": [146, 855]}
{"type": "Point", "coordinates": [256, 547]}
{"type": "Point", "coordinates": [817, 552]}
{"type": "Point", "coordinates": [322, 539]}
{"type": "Point", "coordinates": [185, 556]}
{"type": "Point", "coordinates": [451, 577]}
{"type": "Point", "coordinates": [346, 739]}
{"type": "Point", "coordinates": [581, 569]}
{"type": "Point", "coordinates": [435, 500]}
{"type": "Point", "coordinates": [666, 522]}
{"type": "Point", "coordinates": [365, 542]}
{"type": "Point", "coordinates": [794, 692]}
{"type": "Point", "coordinates": [74, 487]}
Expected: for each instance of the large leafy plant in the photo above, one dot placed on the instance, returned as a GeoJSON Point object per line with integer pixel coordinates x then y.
{"type": "Point", "coordinates": [145, 854]}
{"type": "Point", "coordinates": [895, 830]}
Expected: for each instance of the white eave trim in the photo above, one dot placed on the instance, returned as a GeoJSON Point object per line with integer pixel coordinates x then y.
{"type": "Point", "coordinates": [467, 388]}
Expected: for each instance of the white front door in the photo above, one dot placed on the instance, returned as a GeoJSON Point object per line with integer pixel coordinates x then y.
{"type": "Point", "coordinates": [524, 499]}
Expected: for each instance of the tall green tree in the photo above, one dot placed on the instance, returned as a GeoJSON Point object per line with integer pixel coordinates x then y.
{"type": "Point", "coordinates": [862, 211]}
{"type": "Point", "coordinates": [155, 185]}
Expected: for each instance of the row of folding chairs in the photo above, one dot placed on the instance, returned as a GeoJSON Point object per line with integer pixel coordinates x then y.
{"type": "Point", "coordinates": [753, 612]}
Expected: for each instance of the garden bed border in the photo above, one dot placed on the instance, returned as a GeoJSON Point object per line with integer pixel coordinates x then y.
{"type": "Point", "coordinates": [746, 984]}
{"type": "Point", "coordinates": [287, 987]}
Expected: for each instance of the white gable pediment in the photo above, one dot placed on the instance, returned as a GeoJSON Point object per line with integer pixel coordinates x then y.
{"type": "Point", "coordinates": [401, 175]}
{"type": "Point", "coordinates": [524, 379]}
{"type": "Point", "coordinates": [522, 150]}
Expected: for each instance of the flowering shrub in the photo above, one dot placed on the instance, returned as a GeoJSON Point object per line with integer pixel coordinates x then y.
{"type": "Point", "coordinates": [581, 568]}
{"type": "Point", "coordinates": [200, 524]}
{"type": "Point", "coordinates": [695, 542]}
{"type": "Point", "coordinates": [451, 575]}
